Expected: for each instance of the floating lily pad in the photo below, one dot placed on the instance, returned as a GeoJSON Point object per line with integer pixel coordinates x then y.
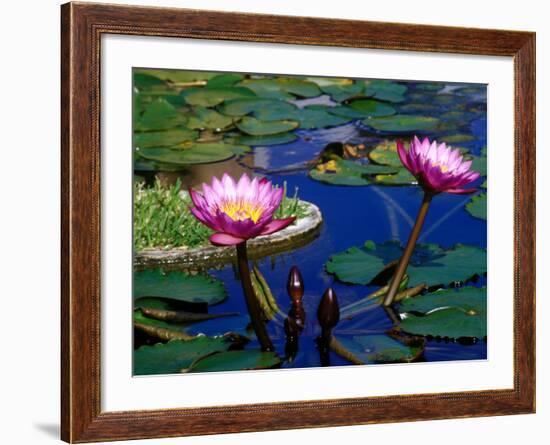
{"type": "Point", "coordinates": [160, 329]}
{"type": "Point", "coordinates": [453, 313]}
{"type": "Point", "coordinates": [418, 108]}
{"type": "Point", "coordinates": [197, 153]}
{"type": "Point", "coordinates": [178, 76]}
{"type": "Point", "coordinates": [224, 80]}
{"type": "Point", "coordinates": [430, 86]}
{"type": "Point", "coordinates": [371, 349]}
{"type": "Point", "coordinates": [477, 207]}
{"type": "Point", "coordinates": [255, 127]}
{"type": "Point", "coordinates": [479, 163]}
{"type": "Point", "coordinates": [402, 123]}
{"type": "Point", "coordinates": [241, 107]}
{"type": "Point", "coordinates": [237, 324]}
{"type": "Point", "coordinates": [178, 286]}
{"type": "Point", "coordinates": [386, 90]}
{"type": "Point", "coordinates": [275, 139]}
{"type": "Point", "coordinates": [175, 311]}
{"type": "Point", "coordinates": [172, 357]}
{"type": "Point", "coordinates": [159, 115]}
{"type": "Point", "coordinates": [430, 264]}
{"type": "Point", "coordinates": [165, 138]}
{"type": "Point", "coordinates": [402, 177]}
{"type": "Point", "coordinates": [144, 81]}
{"type": "Point", "coordinates": [318, 116]}
{"type": "Point", "coordinates": [282, 88]}
{"type": "Point", "coordinates": [363, 108]}
{"type": "Point", "coordinates": [236, 361]}
{"type": "Point", "coordinates": [457, 138]}
{"type": "Point", "coordinates": [210, 97]}
{"type": "Point", "coordinates": [385, 153]}
{"type": "Point", "coordinates": [208, 118]}
{"type": "Point", "coordinates": [345, 172]}
{"type": "Point", "coordinates": [342, 90]}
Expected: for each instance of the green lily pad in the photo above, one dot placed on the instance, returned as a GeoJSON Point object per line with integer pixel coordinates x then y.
{"type": "Point", "coordinates": [418, 108]}
{"type": "Point", "coordinates": [165, 138]}
{"type": "Point", "coordinates": [159, 115]}
{"type": "Point", "coordinates": [479, 163]}
{"type": "Point", "coordinates": [210, 97]}
{"type": "Point", "coordinates": [453, 313]}
{"type": "Point", "coordinates": [402, 123]}
{"type": "Point", "coordinates": [264, 109]}
{"type": "Point", "coordinates": [224, 80]}
{"type": "Point", "coordinates": [477, 207]}
{"type": "Point", "coordinates": [370, 107]}
{"type": "Point", "coordinates": [175, 311]}
{"type": "Point", "coordinates": [160, 329]}
{"type": "Point", "coordinates": [235, 361]}
{"type": "Point", "coordinates": [284, 88]}
{"type": "Point", "coordinates": [402, 177]}
{"type": "Point", "coordinates": [318, 116]}
{"type": "Point", "coordinates": [430, 264]}
{"type": "Point", "coordinates": [430, 86]}
{"type": "Point", "coordinates": [238, 324]}
{"type": "Point", "coordinates": [178, 76]}
{"type": "Point", "coordinates": [343, 90]}
{"type": "Point", "coordinates": [275, 139]}
{"type": "Point", "coordinates": [457, 138]}
{"type": "Point", "coordinates": [197, 153]}
{"type": "Point", "coordinates": [385, 153]}
{"type": "Point", "coordinates": [144, 81]}
{"type": "Point", "coordinates": [255, 127]}
{"type": "Point", "coordinates": [172, 357]}
{"type": "Point", "coordinates": [345, 172]}
{"type": "Point", "coordinates": [380, 348]}
{"type": "Point", "coordinates": [386, 90]}
{"type": "Point", "coordinates": [362, 108]}
{"type": "Point", "coordinates": [208, 118]}
{"type": "Point", "coordinates": [178, 286]}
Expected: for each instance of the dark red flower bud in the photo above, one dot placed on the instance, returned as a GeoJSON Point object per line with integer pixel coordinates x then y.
{"type": "Point", "coordinates": [328, 312]}
{"type": "Point", "coordinates": [295, 285]}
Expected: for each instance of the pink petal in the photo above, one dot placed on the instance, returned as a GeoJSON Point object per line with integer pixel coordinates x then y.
{"type": "Point", "coordinates": [461, 191]}
{"type": "Point", "coordinates": [224, 239]}
{"type": "Point", "coordinates": [276, 225]}
{"type": "Point", "coordinates": [243, 186]}
{"type": "Point", "coordinates": [402, 152]}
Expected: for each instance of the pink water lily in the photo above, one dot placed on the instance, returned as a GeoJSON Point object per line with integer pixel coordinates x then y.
{"type": "Point", "coordinates": [437, 167]}
{"type": "Point", "coordinates": [238, 211]}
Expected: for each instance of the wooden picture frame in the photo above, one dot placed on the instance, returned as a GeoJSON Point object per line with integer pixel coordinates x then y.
{"type": "Point", "coordinates": [82, 26]}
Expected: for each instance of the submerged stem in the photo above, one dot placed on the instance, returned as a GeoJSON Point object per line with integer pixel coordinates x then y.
{"type": "Point", "coordinates": [409, 248]}
{"type": "Point", "coordinates": [251, 302]}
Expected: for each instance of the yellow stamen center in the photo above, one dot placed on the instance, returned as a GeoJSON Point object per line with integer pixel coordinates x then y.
{"type": "Point", "coordinates": [442, 167]}
{"type": "Point", "coordinates": [241, 210]}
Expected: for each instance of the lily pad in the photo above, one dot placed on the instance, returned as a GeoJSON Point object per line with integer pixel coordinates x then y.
{"type": "Point", "coordinates": [362, 108]}
{"type": "Point", "coordinates": [282, 88]}
{"type": "Point", "coordinates": [369, 107]}
{"type": "Point", "coordinates": [238, 324]}
{"type": "Point", "coordinates": [208, 118]}
{"type": "Point", "coordinates": [385, 153]}
{"type": "Point", "coordinates": [402, 123]}
{"type": "Point", "coordinates": [165, 138]}
{"type": "Point", "coordinates": [173, 311]}
{"type": "Point", "coordinates": [479, 163]}
{"type": "Point", "coordinates": [145, 81]}
{"type": "Point", "coordinates": [224, 80]}
{"type": "Point", "coordinates": [345, 172]}
{"type": "Point", "coordinates": [275, 139]}
{"type": "Point", "coordinates": [260, 107]}
{"type": "Point", "coordinates": [210, 97]}
{"type": "Point", "coordinates": [477, 207]}
{"type": "Point", "coordinates": [178, 286]}
{"type": "Point", "coordinates": [386, 90]}
{"type": "Point", "coordinates": [318, 116]}
{"type": "Point", "coordinates": [159, 115]}
{"type": "Point", "coordinates": [453, 313]}
{"type": "Point", "coordinates": [403, 177]}
{"type": "Point", "coordinates": [197, 153]}
{"type": "Point", "coordinates": [255, 127]}
{"type": "Point", "coordinates": [172, 357]}
{"type": "Point", "coordinates": [235, 361]}
{"type": "Point", "coordinates": [380, 348]}
{"type": "Point", "coordinates": [430, 264]}
{"type": "Point", "coordinates": [160, 329]}
{"type": "Point", "coordinates": [178, 76]}
{"type": "Point", "coordinates": [342, 90]}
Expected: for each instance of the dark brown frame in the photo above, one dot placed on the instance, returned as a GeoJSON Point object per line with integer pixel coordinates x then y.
{"type": "Point", "coordinates": [82, 26]}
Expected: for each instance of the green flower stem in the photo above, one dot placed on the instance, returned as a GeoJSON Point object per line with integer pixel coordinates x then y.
{"type": "Point", "coordinates": [411, 244]}
{"type": "Point", "coordinates": [251, 301]}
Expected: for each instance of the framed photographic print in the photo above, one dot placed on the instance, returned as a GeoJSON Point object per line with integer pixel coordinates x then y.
{"type": "Point", "coordinates": [276, 222]}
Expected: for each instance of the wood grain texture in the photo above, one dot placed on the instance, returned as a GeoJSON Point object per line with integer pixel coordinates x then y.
{"type": "Point", "coordinates": [82, 27]}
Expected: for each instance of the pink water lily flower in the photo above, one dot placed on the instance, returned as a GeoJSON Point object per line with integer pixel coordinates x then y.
{"type": "Point", "coordinates": [238, 211]}
{"type": "Point", "coordinates": [437, 167]}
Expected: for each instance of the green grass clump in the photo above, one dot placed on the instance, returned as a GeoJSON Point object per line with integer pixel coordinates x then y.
{"type": "Point", "coordinates": [162, 219]}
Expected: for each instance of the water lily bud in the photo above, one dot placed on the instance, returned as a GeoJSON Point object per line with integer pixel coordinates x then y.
{"type": "Point", "coordinates": [328, 312]}
{"type": "Point", "coordinates": [295, 285]}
